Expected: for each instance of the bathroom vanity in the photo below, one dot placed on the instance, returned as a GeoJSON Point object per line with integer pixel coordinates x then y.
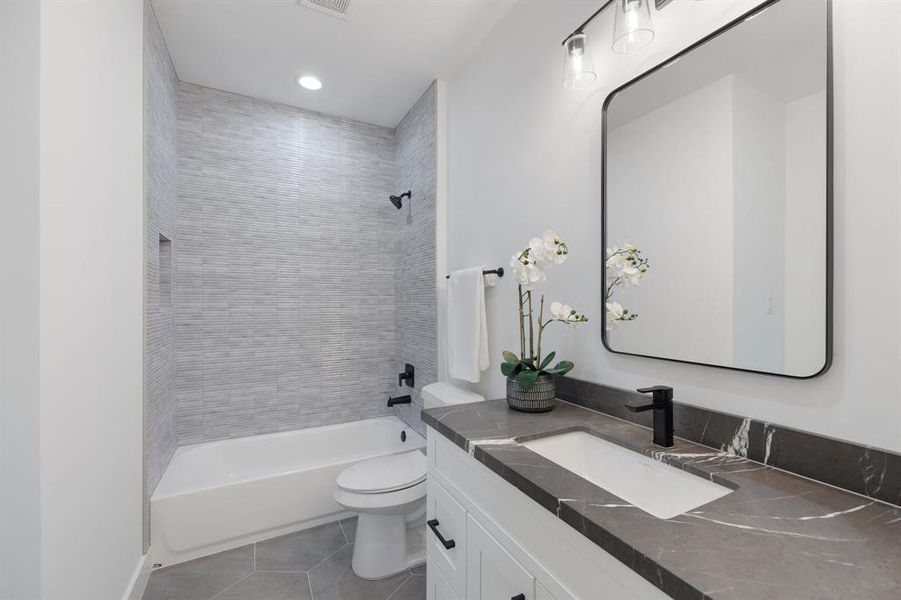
{"type": "Point", "coordinates": [496, 543]}
{"type": "Point", "coordinates": [508, 521]}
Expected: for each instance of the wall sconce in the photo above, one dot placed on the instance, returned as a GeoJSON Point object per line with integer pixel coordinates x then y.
{"type": "Point", "coordinates": [578, 65]}
{"type": "Point", "coordinates": [633, 30]}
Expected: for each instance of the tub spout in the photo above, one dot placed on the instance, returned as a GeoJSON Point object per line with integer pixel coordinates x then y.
{"type": "Point", "coordinates": [399, 400]}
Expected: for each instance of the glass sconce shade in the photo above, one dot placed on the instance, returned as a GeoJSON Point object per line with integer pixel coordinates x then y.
{"type": "Point", "coordinates": [632, 29]}
{"type": "Point", "coordinates": [578, 66]}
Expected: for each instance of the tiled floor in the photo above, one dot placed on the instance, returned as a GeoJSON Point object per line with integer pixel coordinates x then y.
{"type": "Point", "coordinates": [309, 565]}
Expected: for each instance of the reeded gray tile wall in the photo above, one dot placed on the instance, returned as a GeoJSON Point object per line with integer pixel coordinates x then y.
{"type": "Point", "coordinates": [285, 267]}
{"type": "Point", "coordinates": [416, 321]}
{"type": "Point", "coordinates": [160, 200]}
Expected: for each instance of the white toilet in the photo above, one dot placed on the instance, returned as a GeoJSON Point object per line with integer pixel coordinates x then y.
{"type": "Point", "coordinates": [389, 494]}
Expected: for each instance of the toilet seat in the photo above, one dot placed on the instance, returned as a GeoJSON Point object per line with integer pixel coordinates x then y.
{"type": "Point", "coordinates": [385, 474]}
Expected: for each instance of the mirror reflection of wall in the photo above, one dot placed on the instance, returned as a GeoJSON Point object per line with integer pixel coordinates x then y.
{"type": "Point", "coordinates": [716, 168]}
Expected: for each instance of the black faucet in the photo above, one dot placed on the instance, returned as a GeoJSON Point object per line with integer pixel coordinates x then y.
{"type": "Point", "coordinates": [407, 376]}
{"type": "Point", "coordinates": [662, 405]}
{"type": "Point", "coordinates": [399, 400]}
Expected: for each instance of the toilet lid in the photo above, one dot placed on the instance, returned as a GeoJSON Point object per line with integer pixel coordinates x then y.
{"type": "Point", "coordinates": [384, 474]}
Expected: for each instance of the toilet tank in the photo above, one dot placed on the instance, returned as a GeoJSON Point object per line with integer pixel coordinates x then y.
{"type": "Point", "coordinates": [446, 394]}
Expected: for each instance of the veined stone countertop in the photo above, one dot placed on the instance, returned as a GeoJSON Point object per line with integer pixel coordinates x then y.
{"type": "Point", "coordinates": [777, 535]}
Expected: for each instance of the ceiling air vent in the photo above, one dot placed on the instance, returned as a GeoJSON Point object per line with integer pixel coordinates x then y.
{"type": "Point", "coordinates": [332, 8]}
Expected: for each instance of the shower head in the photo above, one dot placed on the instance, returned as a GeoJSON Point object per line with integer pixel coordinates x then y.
{"type": "Point", "coordinates": [397, 201]}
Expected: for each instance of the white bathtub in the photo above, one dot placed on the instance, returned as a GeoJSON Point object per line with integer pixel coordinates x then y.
{"type": "Point", "coordinates": [225, 494]}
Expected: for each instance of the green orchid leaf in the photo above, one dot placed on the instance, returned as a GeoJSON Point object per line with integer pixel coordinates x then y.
{"type": "Point", "coordinates": [509, 369]}
{"type": "Point", "coordinates": [527, 379]}
{"type": "Point", "coordinates": [510, 357]}
{"type": "Point", "coordinates": [547, 360]}
{"type": "Point", "coordinates": [561, 368]}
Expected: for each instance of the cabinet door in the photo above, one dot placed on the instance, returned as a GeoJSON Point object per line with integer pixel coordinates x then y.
{"type": "Point", "coordinates": [437, 587]}
{"type": "Point", "coordinates": [447, 518]}
{"type": "Point", "coordinates": [491, 573]}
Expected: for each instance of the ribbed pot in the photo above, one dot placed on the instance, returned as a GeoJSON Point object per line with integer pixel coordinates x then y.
{"type": "Point", "coordinates": [541, 397]}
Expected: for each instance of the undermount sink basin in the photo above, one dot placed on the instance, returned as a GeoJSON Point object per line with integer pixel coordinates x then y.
{"type": "Point", "coordinates": [654, 487]}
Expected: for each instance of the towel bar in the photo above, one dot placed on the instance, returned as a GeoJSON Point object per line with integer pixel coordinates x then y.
{"type": "Point", "coordinates": [498, 271]}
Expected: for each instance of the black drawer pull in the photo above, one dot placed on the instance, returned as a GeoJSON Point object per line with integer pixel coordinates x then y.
{"type": "Point", "coordinates": [448, 544]}
{"type": "Point", "coordinates": [517, 596]}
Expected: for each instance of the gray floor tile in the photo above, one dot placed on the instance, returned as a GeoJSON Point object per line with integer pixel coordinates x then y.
{"type": "Point", "coordinates": [350, 528]}
{"type": "Point", "coordinates": [412, 589]}
{"type": "Point", "coordinates": [333, 579]}
{"type": "Point", "coordinates": [270, 586]}
{"type": "Point", "coordinates": [231, 575]}
{"type": "Point", "coordinates": [299, 551]}
{"type": "Point", "coordinates": [200, 579]}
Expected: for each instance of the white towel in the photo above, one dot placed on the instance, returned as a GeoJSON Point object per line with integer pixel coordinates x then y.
{"type": "Point", "coordinates": [467, 325]}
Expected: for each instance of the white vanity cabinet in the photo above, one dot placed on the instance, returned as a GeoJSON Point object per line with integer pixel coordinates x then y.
{"type": "Point", "coordinates": [489, 541]}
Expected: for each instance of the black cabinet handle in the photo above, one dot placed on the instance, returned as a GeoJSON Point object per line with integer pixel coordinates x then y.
{"type": "Point", "coordinates": [517, 596]}
{"type": "Point", "coordinates": [448, 544]}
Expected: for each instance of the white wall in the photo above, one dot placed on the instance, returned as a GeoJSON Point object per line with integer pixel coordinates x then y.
{"type": "Point", "coordinates": [91, 257]}
{"type": "Point", "coordinates": [681, 220]}
{"type": "Point", "coordinates": [19, 450]}
{"type": "Point", "coordinates": [524, 154]}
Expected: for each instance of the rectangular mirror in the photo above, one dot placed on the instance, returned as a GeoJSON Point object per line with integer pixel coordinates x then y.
{"type": "Point", "coordinates": [718, 169]}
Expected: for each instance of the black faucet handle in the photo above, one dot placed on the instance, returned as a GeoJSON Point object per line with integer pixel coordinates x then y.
{"type": "Point", "coordinates": [640, 405]}
{"type": "Point", "coordinates": [407, 375]}
{"type": "Point", "coordinates": [661, 393]}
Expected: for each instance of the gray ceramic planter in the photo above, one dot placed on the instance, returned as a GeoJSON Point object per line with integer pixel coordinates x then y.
{"type": "Point", "coordinates": [541, 397]}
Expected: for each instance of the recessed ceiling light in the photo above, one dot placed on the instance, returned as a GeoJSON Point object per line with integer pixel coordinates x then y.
{"type": "Point", "coordinates": [309, 82]}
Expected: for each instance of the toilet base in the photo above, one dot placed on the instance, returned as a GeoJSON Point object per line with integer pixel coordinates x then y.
{"type": "Point", "coordinates": [386, 545]}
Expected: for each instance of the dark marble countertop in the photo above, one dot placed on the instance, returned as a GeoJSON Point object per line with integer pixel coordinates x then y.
{"type": "Point", "coordinates": [777, 535]}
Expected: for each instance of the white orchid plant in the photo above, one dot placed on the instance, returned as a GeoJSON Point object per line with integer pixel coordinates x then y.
{"type": "Point", "coordinates": [625, 267]}
{"type": "Point", "coordinates": [530, 267]}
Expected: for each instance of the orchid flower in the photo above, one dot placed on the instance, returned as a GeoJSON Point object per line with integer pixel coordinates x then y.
{"type": "Point", "coordinates": [624, 267]}
{"type": "Point", "coordinates": [530, 266]}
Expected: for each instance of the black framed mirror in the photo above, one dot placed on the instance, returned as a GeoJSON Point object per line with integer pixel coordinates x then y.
{"type": "Point", "coordinates": [717, 199]}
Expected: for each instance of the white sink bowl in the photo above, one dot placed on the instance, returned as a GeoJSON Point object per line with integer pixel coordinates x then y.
{"type": "Point", "coordinates": [654, 487]}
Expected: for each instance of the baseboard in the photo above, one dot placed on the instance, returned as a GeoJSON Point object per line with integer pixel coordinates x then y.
{"type": "Point", "coordinates": [139, 579]}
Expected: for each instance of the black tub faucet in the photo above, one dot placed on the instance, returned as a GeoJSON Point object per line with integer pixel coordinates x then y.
{"type": "Point", "coordinates": [399, 400]}
{"type": "Point", "coordinates": [662, 405]}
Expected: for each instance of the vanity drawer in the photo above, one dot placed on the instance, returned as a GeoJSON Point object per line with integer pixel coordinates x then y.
{"type": "Point", "coordinates": [447, 519]}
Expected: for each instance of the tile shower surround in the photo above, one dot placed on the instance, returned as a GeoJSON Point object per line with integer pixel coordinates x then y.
{"type": "Point", "coordinates": [285, 268]}
{"type": "Point", "coordinates": [161, 196]}
{"type": "Point", "coordinates": [416, 321]}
